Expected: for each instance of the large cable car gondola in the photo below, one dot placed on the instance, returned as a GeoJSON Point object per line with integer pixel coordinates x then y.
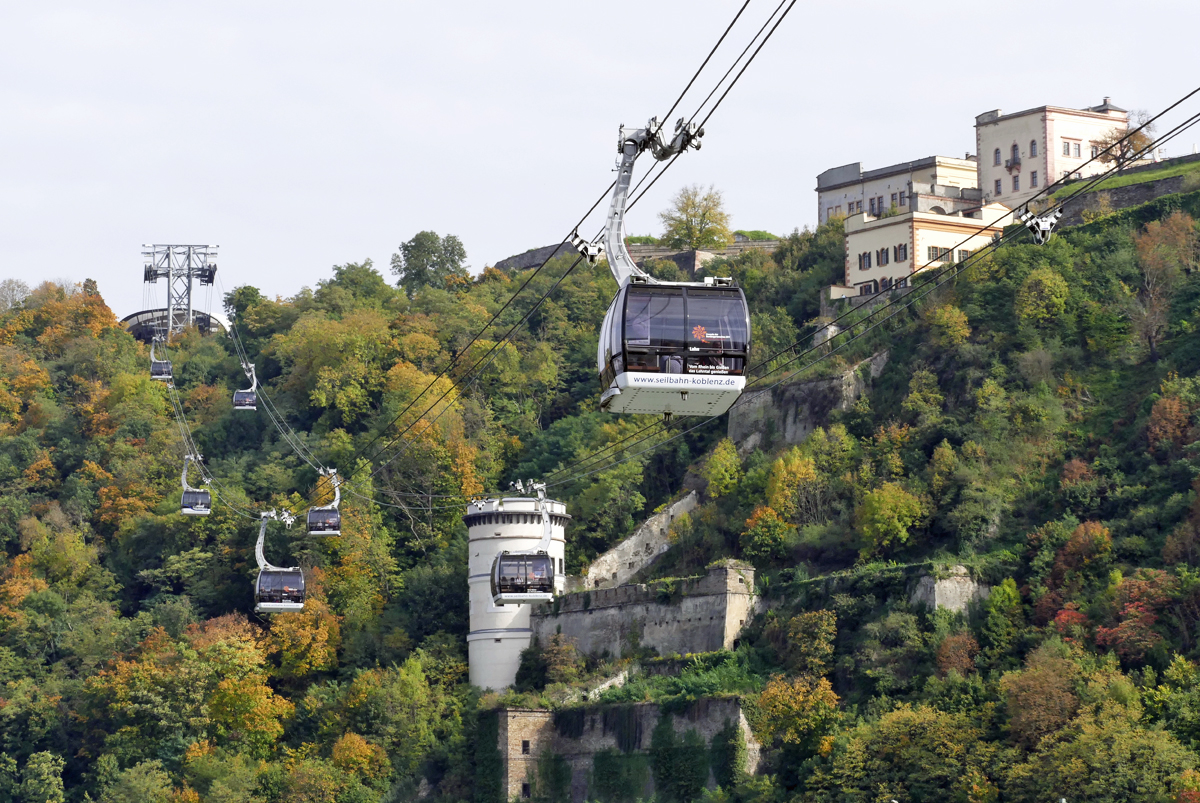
{"type": "Point", "coordinates": [327, 520]}
{"type": "Point", "coordinates": [247, 399]}
{"type": "Point", "coordinates": [160, 370]}
{"type": "Point", "coordinates": [194, 501]}
{"type": "Point", "coordinates": [522, 578]}
{"type": "Point", "coordinates": [276, 590]}
{"type": "Point", "coordinates": [675, 348]}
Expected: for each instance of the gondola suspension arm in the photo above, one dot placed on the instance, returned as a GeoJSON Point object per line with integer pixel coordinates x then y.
{"type": "Point", "coordinates": [630, 145]}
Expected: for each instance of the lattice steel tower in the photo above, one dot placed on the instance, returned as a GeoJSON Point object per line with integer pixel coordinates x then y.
{"type": "Point", "coordinates": [179, 265]}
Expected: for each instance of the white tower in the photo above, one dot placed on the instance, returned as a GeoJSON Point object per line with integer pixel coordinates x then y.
{"type": "Point", "coordinates": [500, 632]}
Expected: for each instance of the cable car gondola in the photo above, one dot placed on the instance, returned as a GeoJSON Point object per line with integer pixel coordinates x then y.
{"type": "Point", "coordinates": [276, 590]}
{"type": "Point", "coordinates": [194, 501]}
{"type": "Point", "coordinates": [247, 399]}
{"type": "Point", "coordinates": [327, 520]}
{"type": "Point", "coordinates": [522, 578]}
{"type": "Point", "coordinates": [675, 348]}
{"type": "Point", "coordinates": [160, 370]}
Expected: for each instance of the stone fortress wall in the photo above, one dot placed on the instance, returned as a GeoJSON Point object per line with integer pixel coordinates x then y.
{"type": "Point", "coordinates": [528, 735]}
{"type": "Point", "coordinates": [697, 614]}
{"type": "Point", "coordinates": [618, 565]}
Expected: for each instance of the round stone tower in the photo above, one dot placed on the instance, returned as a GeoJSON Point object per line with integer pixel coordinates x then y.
{"type": "Point", "coordinates": [500, 632]}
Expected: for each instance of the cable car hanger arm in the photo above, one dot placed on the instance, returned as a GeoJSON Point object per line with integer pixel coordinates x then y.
{"type": "Point", "coordinates": [631, 144]}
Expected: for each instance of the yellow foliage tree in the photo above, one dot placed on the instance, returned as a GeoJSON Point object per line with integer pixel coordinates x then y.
{"type": "Point", "coordinates": [795, 711]}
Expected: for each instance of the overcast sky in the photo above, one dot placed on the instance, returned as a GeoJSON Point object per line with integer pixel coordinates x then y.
{"type": "Point", "coordinates": [301, 135]}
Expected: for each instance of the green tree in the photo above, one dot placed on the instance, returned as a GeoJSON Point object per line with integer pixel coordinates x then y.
{"type": "Point", "coordinates": [1042, 298]}
{"type": "Point", "coordinates": [723, 469]}
{"type": "Point", "coordinates": [885, 516]}
{"type": "Point", "coordinates": [696, 219]}
{"type": "Point", "coordinates": [428, 260]}
{"type": "Point", "coordinates": [41, 779]}
{"type": "Point", "coordinates": [767, 536]}
{"type": "Point", "coordinates": [146, 782]}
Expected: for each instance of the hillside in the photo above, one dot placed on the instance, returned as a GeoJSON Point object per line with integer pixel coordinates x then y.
{"type": "Point", "coordinates": [1035, 423]}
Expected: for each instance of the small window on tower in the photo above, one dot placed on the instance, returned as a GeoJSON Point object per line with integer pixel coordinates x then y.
{"type": "Point", "coordinates": [524, 747]}
{"type": "Point", "coordinates": [525, 791]}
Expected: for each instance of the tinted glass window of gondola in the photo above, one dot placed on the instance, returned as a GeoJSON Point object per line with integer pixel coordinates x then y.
{"type": "Point", "coordinates": [655, 319]}
{"type": "Point", "coordinates": [198, 500]}
{"type": "Point", "coordinates": [525, 573]}
{"type": "Point", "coordinates": [281, 586]}
{"type": "Point", "coordinates": [324, 520]}
{"type": "Point", "coordinates": [245, 398]}
{"type": "Point", "coordinates": [716, 321]}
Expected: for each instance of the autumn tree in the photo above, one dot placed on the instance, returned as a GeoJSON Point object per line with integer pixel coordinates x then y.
{"type": "Point", "coordinates": [948, 325]}
{"type": "Point", "coordinates": [810, 642]}
{"type": "Point", "coordinates": [766, 536]}
{"type": "Point", "coordinates": [1164, 250]}
{"type": "Point", "coordinates": [795, 711]}
{"type": "Point", "coordinates": [696, 219]}
{"type": "Point", "coordinates": [1120, 146]}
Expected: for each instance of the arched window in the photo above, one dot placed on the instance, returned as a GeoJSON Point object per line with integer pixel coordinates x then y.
{"type": "Point", "coordinates": [1016, 157]}
{"type": "Point", "coordinates": [1033, 147]}
{"type": "Point", "coordinates": [996, 157]}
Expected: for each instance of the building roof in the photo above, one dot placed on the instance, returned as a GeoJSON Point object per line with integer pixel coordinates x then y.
{"type": "Point", "coordinates": [1102, 110]}
{"type": "Point", "coordinates": [853, 173]}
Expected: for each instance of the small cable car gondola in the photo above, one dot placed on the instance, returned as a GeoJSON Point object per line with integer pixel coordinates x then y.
{"type": "Point", "coordinates": [160, 370]}
{"type": "Point", "coordinates": [247, 399]}
{"type": "Point", "coordinates": [522, 578]}
{"type": "Point", "coordinates": [276, 590]}
{"type": "Point", "coordinates": [675, 348]}
{"type": "Point", "coordinates": [194, 501]}
{"type": "Point", "coordinates": [326, 520]}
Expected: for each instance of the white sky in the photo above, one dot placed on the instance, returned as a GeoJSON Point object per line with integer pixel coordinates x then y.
{"type": "Point", "coordinates": [300, 135]}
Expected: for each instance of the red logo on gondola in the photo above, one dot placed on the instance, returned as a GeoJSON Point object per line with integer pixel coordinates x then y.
{"type": "Point", "coordinates": [700, 333]}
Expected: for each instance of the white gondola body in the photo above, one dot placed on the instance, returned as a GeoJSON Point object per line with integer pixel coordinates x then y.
{"type": "Point", "coordinates": [674, 347]}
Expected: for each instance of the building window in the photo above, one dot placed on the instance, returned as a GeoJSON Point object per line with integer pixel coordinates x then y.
{"type": "Point", "coordinates": [1032, 179]}
{"type": "Point", "coordinates": [999, 187]}
{"type": "Point", "coordinates": [902, 252]}
{"type": "Point", "coordinates": [1016, 153]}
{"type": "Point", "coordinates": [893, 199]}
{"type": "Point", "coordinates": [829, 213]}
{"type": "Point", "coordinates": [858, 206]}
{"type": "Point", "coordinates": [900, 283]}
{"type": "Point", "coordinates": [1066, 148]}
{"type": "Point", "coordinates": [903, 198]}
{"type": "Point", "coordinates": [837, 210]}
{"type": "Point", "coordinates": [872, 205]}
{"type": "Point", "coordinates": [866, 289]}
{"type": "Point", "coordinates": [885, 283]}
{"type": "Point", "coordinates": [524, 747]}
{"type": "Point", "coordinates": [1095, 151]}
{"type": "Point", "coordinates": [1033, 147]}
{"type": "Point", "coordinates": [939, 254]}
{"type": "Point", "coordinates": [996, 157]}
{"type": "Point", "coordinates": [1017, 183]}
{"type": "Point", "coordinates": [963, 253]}
{"type": "Point", "coordinates": [881, 257]}
{"type": "Point", "coordinates": [1075, 148]}
{"type": "Point", "coordinates": [525, 791]}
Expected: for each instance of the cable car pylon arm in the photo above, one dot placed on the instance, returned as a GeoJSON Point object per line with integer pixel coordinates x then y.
{"type": "Point", "coordinates": [631, 144]}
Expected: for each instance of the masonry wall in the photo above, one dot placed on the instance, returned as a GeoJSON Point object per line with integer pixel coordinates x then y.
{"type": "Point", "coordinates": [698, 614]}
{"type": "Point", "coordinates": [527, 735]}
{"type": "Point", "coordinates": [648, 542]}
{"type": "Point", "coordinates": [788, 413]}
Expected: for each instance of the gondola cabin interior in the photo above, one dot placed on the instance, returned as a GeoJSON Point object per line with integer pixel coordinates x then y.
{"type": "Point", "coordinates": [678, 348]}
{"type": "Point", "coordinates": [279, 590]}
{"type": "Point", "coordinates": [522, 578]}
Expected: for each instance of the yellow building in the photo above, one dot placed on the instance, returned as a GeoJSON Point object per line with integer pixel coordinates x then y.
{"type": "Point", "coordinates": [847, 190]}
{"type": "Point", "coordinates": [1022, 152]}
{"type": "Point", "coordinates": [884, 252]}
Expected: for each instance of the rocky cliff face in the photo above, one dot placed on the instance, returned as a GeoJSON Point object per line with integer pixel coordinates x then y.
{"type": "Point", "coordinates": [787, 414]}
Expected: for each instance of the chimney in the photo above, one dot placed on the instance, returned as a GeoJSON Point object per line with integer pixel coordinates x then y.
{"type": "Point", "coordinates": [1106, 100]}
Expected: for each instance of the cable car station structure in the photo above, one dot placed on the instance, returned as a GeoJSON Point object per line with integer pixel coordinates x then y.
{"type": "Point", "coordinates": [517, 551]}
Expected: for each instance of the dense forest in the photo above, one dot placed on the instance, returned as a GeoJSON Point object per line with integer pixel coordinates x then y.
{"type": "Point", "coordinates": [1036, 422]}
